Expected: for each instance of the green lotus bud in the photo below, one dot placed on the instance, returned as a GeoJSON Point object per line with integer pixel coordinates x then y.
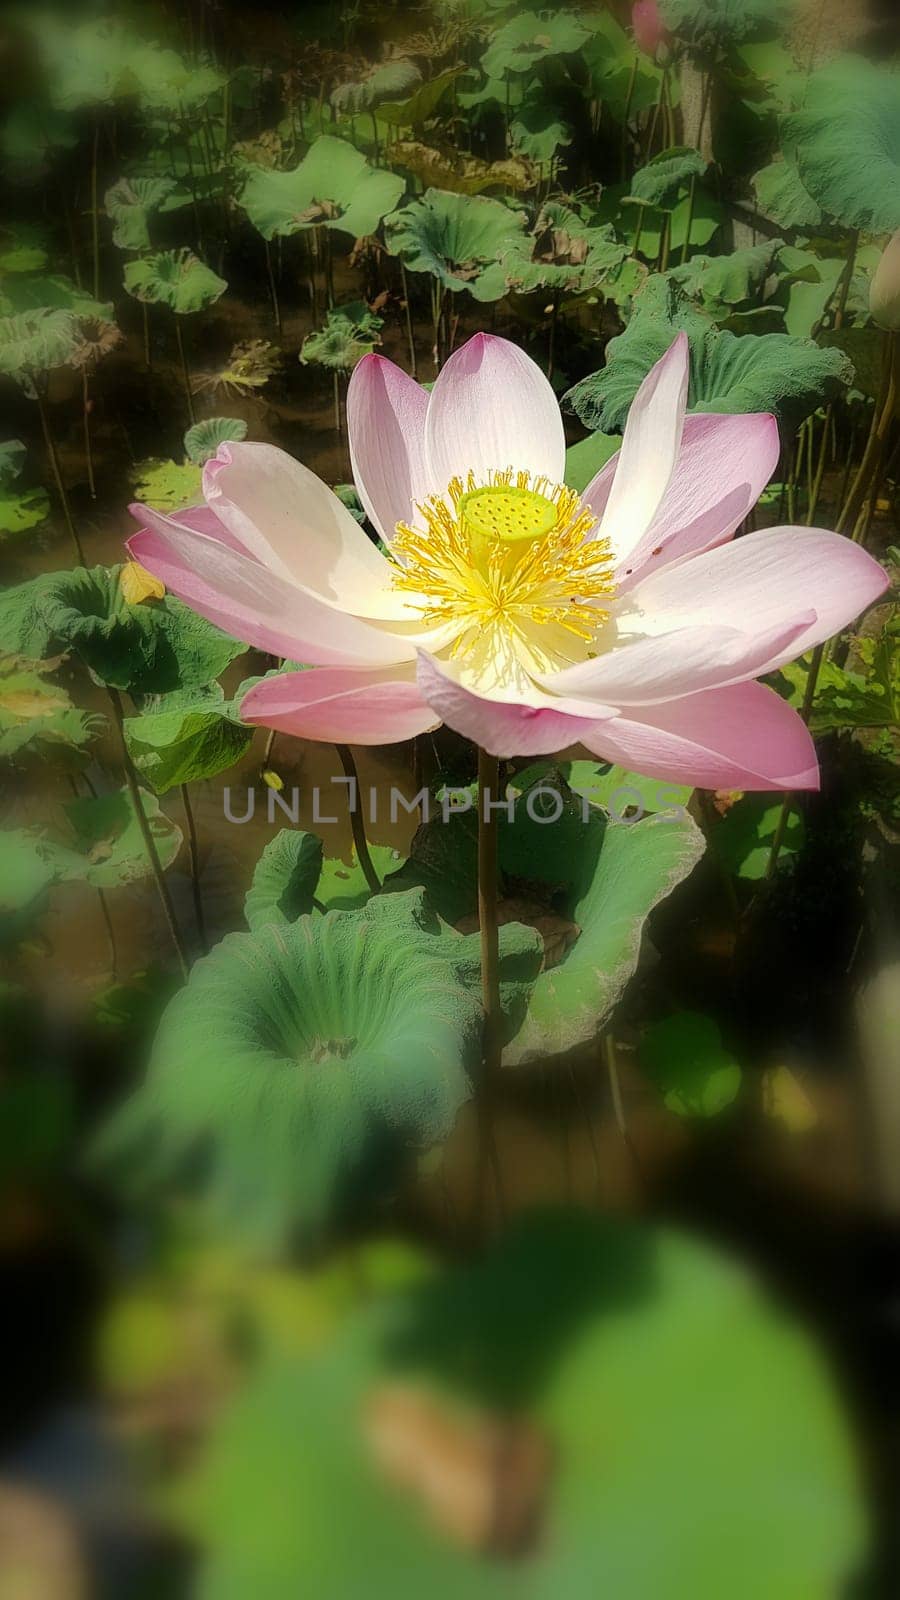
{"type": "Point", "coordinates": [884, 295]}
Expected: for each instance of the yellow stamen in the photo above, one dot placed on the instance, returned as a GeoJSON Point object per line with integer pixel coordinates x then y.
{"type": "Point", "coordinates": [514, 553]}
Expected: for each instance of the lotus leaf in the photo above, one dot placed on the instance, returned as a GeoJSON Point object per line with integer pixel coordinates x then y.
{"type": "Point", "coordinates": [105, 845]}
{"type": "Point", "coordinates": [152, 648]}
{"type": "Point", "coordinates": [130, 203]}
{"type": "Point", "coordinates": [350, 332]}
{"type": "Point", "coordinates": [709, 23]}
{"type": "Point", "coordinates": [755, 372]}
{"type": "Point", "coordinates": [781, 196]}
{"type": "Point", "coordinates": [33, 343]}
{"type": "Point", "coordinates": [389, 81]}
{"type": "Point", "coordinates": [663, 180]}
{"type": "Point", "coordinates": [333, 187]}
{"type": "Point", "coordinates": [455, 238]}
{"type": "Point", "coordinates": [304, 1063]}
{"type": "Point", "coordinates": [185, 737]}
{"type": "Point", "coordinates": [174, 278]}
{"type": "Point", "coordinates": [525, 41]}
{"type": "Point", "coordinates": [846, 143]}
{"type": "Point", "coordinates": [459, 174]}
{"type": "Point", "coordinates": [203, 439]}
{"type": "Point", "coordinates": [284, 879]}
{"type": "Point", "coordinates": [604, 876]}
{"type": "Point", "coordinates": [591, 1343]}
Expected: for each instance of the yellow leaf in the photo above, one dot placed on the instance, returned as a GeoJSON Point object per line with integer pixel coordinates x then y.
{"type": "Point", "coordinates": [786, 1101]}
{"type": "Point", "coordinates": [138, 584]}
{"type": "Point", "coordinates": [272, 779]}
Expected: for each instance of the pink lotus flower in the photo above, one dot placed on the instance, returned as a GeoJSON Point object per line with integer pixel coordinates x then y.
{"type": "Point", "coordinates": [648, 27]}
{"type": "Point", "coordinates": [525, 617]}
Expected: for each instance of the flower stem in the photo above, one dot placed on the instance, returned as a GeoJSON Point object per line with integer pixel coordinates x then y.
{"type": "Point", "coordinates": [88, 453]}
{"type": "Point", "coordinates": [488, 793]}
{"type": "Point", "coordinates": [147, 834]}
{"type": "Point", "coordinates": [95, 218]}
{"type": "Point", "coordinates": [356, 820]}
{"type": "Point", "coordinates": [57, 477]}
{"type": "Point", "coordinates": [409, 324]}
{"type": "Point", "coordinates": [194, 854]}
{"type": "Point", "coordinates": [185, 370]}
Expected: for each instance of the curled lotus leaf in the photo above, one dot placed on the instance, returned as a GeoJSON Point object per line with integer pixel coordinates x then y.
{"type": "Point", "coordinates": [151, 648]}
{"type": "Point", "coordinates": [349, 333]}
{"type": "Point", "coordinates": [131, 202]}
{"type": "Point", "coordinates": [597, 1350]}
{"type": "Point", "coordinates": [459, 174]}
{"type": "Point", "coordinates": [284, 879]}
{"type": "Point", "coordinates": [34, 343]}
{"type": "Point", "coordinates": [174, 278]}
{"type": "Point", "coordinates": [562, 253]}
{"type": "Point", "coordinates": [663, 180]}
{"type": "Point", "coordinates": [332, 187]}
{"type": "Point", "coordinates": [302, 1066]}
{"type": "Point", "coordinates": [456, 238]}
{"type": "Point", "coordinates": [392, 80]}
{"type": "Point", "coordinates": [203, 439]}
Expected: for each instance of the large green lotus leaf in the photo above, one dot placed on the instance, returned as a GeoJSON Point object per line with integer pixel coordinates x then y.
{"type": "Point", "coordinates": [342, 885]}
{"type": "Point", "coordinates": [603, 876]}
{"type": "Point", "coordinates": [349, 333]}
{"type": "Point", "coordinates": [130, 203]}
{"type": "Point", "coordinates": [86, 63]}
{"type": "Point", "coordinates": [421, 104]}
{"type": "Point", "coordinates": [539, 131]}
{"type": "Point", "coordinates": [781, 196]}
{"type": "Point", "coordinates": [845, 141]}
{"type": "Point", "coordinates": [706, 217]}
{"type": "Point", "coordinates": [664, 179]}
{"type": "Point", "coordinates": [174, 278]}
{"type": "Point", "coordinates": [720, 283]}
{"type": "Point", "coordinates": [623, 78]}
{"type": "Point", "coordinates": [25, 878]}
{"type": "Point", "coordinates": [105, 846]}
{"type": "Point", "coordinates": [333, 187]}
{"type": "Point", "coordinates": [203, 439]}
{"type": "Point", "coordinates": [456, 238]}
{"type": "Point", "coordinates": [685, 1416]}
{"type": "Point", "coordinates": [153, 647]}
{"type": "Point", "coordinates": [561, 253]}
{"type": "Point", "coordinates": [284, 879]}
{"type": "Point", "coordinates": [729, 373]}
{"type": "Point", "coordinates": [687, 1062]}
{"type": "Point", "coordinates": [390, 81]}
{"type": "Point", "coordinates": [530, 38]}
{"type": "Point", "coordinates": [55, 292]}
{"type": "Point", "coordinates": [185, 737]}
{"type": "Point", "coordinates": [708, 22]}
{"type": "Point", "coordinates": [35, 342]}
{"type": "Point", "coordinates": [167, 83]}
{"type": "Point", "coordinates": [302, 1067]}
